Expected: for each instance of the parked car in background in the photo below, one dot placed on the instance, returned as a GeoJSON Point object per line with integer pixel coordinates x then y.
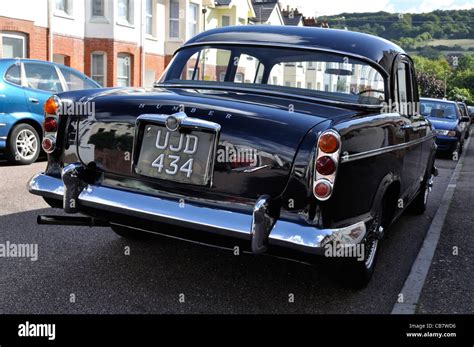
{"type": "Point", "coordinates": [471, 113]}
{"type": "Point", "coordinates": [25, 85]}
{"type": "Point", "coordinates": [465, 114]}
{"type": "Point", "coordinates": [448, 121]}
{"type": "Point", "coordinates": [228, 143]}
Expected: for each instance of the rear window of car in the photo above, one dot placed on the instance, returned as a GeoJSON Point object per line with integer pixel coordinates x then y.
{"type": "Point", "coordinates": [306, 72]}
{"type": "Point", "coordinates": [13, 74]}
{"type": "Point", "coordinates": [438, 110]}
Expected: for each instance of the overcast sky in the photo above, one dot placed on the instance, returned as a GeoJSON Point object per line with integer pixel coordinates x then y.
{"type": "Point", "coordinates": [330, 7]}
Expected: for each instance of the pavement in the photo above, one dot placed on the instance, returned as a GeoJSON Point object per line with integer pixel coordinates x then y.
{"type": "Point", "coordinates": [449, 287]}
{"type": "Point", "coordinates": [84, 270]}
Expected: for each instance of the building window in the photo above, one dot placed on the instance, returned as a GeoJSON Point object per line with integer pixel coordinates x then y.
{"type": "Point", "coordinates": [98, 68]}
{"type": "Point", "coordinates": [125, 11]}
{"type": "Point", "coordinates": [149, 17]}
{"type": "Point", "coordinates": [225, 21]}
{"type": "Point", "coordinates": [63, 6]}
{"type": "Point", "coordinates": [13, 45]}
{"type": "Point", "coordinates": [123, 69]}
{"type": "Point", "coordinates": [174, 18]}
{"type": "Point", "coordinates": [98, 8]}
{"type": "Point", "coordinates": [193, 20]}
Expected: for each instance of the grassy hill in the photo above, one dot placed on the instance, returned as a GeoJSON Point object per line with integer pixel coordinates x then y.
{"type": "Point", "coordinates": [427, 33]}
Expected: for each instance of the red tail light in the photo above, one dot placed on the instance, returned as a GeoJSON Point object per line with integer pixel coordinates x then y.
{"type": "Point", "coordinates": [48, 144]}
{"type": "Point", "coordinates": [50, 125]}
{"type": "Point", "coordinates": [322, 189]}
{"type": "Point", "coordinates": [326, 163]}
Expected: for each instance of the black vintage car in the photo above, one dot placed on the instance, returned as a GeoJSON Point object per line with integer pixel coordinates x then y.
{"type": "Point", "coordinates": [280, 140]}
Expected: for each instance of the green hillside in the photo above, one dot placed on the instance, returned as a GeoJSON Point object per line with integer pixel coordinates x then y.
{"type": "Point", "coordinates": [440, 30]}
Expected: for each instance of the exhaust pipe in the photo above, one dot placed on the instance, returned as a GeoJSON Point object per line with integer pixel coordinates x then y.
{"type": "Point", "coordinates": [71, 220]}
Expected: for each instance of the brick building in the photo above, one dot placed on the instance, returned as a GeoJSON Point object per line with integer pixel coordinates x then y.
{"type": "Point", "coordinates": [116, 42]}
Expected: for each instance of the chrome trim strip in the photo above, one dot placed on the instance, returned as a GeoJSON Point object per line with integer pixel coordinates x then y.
{"type": "Point", "coordinates": [302, 237]}
{"type": "Point", "coordinates": [377, 151]}
{"type": "Point", "coordinates": [3, 138]}
{"type": "Point", "coordinates": [3, 125]}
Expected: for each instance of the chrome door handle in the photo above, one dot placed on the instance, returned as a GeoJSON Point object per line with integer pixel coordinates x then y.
{"type": "Point", "coordinates": [34, 101]}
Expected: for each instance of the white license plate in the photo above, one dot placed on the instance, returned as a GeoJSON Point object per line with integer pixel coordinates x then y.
{"type": "Point", "coordinates": [176, 156]}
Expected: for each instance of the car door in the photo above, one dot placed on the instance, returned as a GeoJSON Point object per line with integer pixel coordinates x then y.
{"type": "Point", "coordinates": [40, 81]}
{"type": "Point", "coordinates": [412, 127]}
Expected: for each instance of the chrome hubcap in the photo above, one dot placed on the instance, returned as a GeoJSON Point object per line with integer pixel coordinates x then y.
{"type": "Point", "coordinates": [26, 144]}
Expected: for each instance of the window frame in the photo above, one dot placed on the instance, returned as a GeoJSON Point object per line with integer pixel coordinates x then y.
{"type": "Point", "coordinates": [67, 11]}
{"type": "Point", "coordinates": [222, 21]}
{"type": "Point", "coordinates": [150, 15]}
{"type": "Point", "coordinates": [194, 22]}
{"type": "Point", "coordinates": [16, 35]}
{"type": "Point", "coordinates": [94, 16]}
{"type": "Point", "coordinates": [129, 68]}
{"type": "Point", "coordinates": [104, 55]}
{"type": "Point", "coordinates": [173, 19]}
{"type": "Point", "coordinates": [128, 21]}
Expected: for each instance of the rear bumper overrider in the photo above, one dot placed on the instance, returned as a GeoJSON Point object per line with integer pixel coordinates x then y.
{"type": "Point", "coordinates": [257, 227]}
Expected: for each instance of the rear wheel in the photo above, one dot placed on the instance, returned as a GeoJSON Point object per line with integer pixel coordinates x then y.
{"type": "Point", "coordinates": [356, 273]}
{"type": "Point", "coordinates": [129, 233]}
{"type": "Point", "coordinates": [23, 145]}
{"type": "Point", "coordinates": [418, 205]}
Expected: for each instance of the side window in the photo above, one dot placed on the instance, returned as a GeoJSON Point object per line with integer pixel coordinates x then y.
{"type": "Point", "coordinates": [249, 70]}
{"type": "Point", "coordinates": [75, 80]}
{"type": "Point", "coordinates": [404, 88]}
{"type": "Point", "coordinates": [43, 77]}
{"type": "Point", "coordinates": [209, 64]}
{"type": "Point", "coordinates": [13, 74]}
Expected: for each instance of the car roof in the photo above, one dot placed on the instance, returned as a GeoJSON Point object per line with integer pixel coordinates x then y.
{"type": "Point", "coordinates": [438, 100]}
{"type": "Point", "coordinates": [373, 48]}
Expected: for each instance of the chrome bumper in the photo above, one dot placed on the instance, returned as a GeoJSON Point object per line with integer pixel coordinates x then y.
{"type": "Point", "coordinates": [287, 234]}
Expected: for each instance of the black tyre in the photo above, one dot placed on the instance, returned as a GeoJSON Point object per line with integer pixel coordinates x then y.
{"type": "Point", "coordinates": [23, 145]}
{"type": "Point", "coordinates": [129, 233]}
{"type": "Point", "coordinates": [418, 205]}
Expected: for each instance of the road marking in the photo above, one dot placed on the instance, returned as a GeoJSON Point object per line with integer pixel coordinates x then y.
{"type": "Point", "coordinates": [416, 279]}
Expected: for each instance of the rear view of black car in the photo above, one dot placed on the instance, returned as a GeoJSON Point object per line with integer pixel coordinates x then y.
{"type": "Point", "coordinates": [287, 149]}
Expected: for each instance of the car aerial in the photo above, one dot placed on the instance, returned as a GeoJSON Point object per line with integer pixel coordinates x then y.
{"type": "Point", "coordinates": [24, 87]}
{"type": "Point", "coordinates": [465, 114]}
{"type": "Point", "coordinates": [289, 141]}
{"type": "Point", "coordinates": [448, 121]}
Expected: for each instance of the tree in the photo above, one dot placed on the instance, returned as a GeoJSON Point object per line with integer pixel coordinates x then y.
{"type": "Point", "coordinates": [429, 86]}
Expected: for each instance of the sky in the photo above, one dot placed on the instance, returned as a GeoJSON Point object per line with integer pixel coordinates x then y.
{"type": "Point", "coordinates": [316, 8]}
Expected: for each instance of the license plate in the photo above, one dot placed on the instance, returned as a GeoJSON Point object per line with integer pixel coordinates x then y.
{"type": "Point", "coordinates": [176, 156]}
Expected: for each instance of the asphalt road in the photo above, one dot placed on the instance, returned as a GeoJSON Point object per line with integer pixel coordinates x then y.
{"type": "Point", "coordinates": [90, 266]}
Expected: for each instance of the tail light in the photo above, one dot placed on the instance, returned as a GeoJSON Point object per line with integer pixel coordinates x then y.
{"type": "Point", "coordinates": [50, 124]}
{"type": "Point", "coordinates": [325, 166]}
